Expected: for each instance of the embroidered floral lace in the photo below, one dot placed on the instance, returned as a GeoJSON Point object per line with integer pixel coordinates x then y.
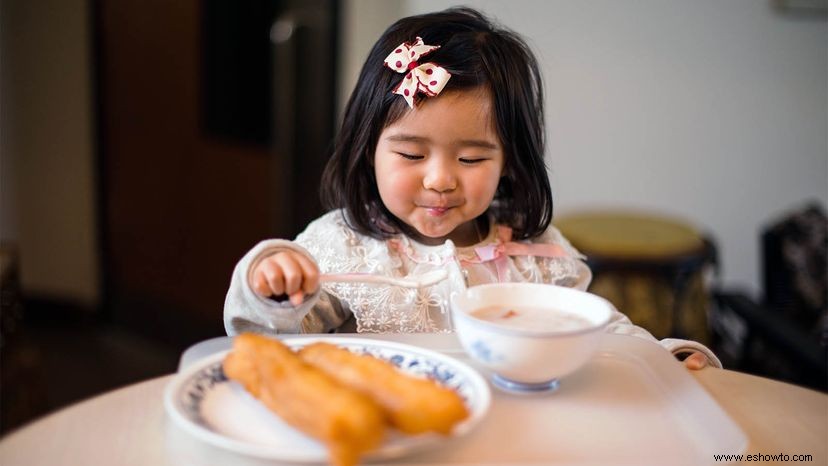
{"type": "Point", "coordinates": [384, 308]}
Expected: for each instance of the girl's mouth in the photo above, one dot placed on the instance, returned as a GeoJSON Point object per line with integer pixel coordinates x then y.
{"type": "Point", "coordinates": [436, 211]}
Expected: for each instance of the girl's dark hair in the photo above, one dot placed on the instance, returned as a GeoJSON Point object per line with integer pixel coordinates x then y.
{"type": "Point", "coordinates": [476, 53]}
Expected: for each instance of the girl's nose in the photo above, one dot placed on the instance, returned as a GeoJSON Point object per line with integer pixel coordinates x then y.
{"type": "Point", "coordinates": [439, 178]}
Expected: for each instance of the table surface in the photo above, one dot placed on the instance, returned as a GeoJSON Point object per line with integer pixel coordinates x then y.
{"type": "Point", "coordinates": [129, 426]}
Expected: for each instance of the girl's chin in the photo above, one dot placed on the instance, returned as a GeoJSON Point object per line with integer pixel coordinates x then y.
{"type": "Point", "coordinates": [430, 238]}
{"type": "Point", "coordinates": [432, 234]}
{"type": "Point", "coordinates": [435, 236]}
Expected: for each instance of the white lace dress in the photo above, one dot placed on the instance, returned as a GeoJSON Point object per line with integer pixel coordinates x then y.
{"type": "Point", "coordinates": [386, 308]}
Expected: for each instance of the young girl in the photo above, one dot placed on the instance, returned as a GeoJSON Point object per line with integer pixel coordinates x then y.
{"type": "Point", "coordinates": [438, 165]}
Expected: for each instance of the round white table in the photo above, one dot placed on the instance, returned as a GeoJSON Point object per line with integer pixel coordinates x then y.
{"type": "Point", "coordinates": [129, 426]}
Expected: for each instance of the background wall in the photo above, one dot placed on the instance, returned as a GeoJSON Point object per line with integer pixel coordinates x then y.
{"type": "Point", "coordinates": [712, 111]}
{"type": "Point", "coordinates": [47, 201]}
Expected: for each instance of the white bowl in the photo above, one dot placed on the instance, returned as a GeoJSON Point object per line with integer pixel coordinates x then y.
{"type": "Point", "coordinates": [529, 359]}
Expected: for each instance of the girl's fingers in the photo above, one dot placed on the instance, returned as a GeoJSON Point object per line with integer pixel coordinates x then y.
{"type": "Point", "coordinates": [287, 273]}
{"type": "Point", "coordinates": [297, 298]}
{"type": "Point", "coordinates": [291, 272]}
{"type": "Point", "coordinates": [310, 273]}
{"type": "Point", "coordinates": [696, 361]}
{"type": "Point", "coordinates": [294, 276]}
{"type": "Point", "coordinates": [273, 276]}
{"type": "Point", "coordinates": [260, 285]}
{"type": "Point", "coordinates": [301, 277]}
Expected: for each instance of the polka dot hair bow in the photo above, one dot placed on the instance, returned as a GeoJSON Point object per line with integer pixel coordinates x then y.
{"type": "Point", "coordinates": [428, 78]}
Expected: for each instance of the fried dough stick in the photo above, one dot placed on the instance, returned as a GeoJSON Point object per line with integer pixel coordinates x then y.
{"type": "Point", "coordinates": [413, 405]}
{"type": "Point", "coordinates": [347, 422]}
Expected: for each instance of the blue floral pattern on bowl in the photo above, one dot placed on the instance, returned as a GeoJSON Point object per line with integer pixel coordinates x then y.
{"type": "Point", "coordinates": [484, 352]}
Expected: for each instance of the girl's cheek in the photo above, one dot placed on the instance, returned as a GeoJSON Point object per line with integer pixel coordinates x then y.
{"type": "Point", "coordinates": [394, 185]}
{"type": "Point", "coordinates": [400, 177]}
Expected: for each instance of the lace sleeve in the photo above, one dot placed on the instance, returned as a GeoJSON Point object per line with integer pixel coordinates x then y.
{"type": "Point", "coordinates": [375, 308]}
{"type": "Point", "coordinates": [570, 271]}
{"type": "Point", "coordinates": [336, 248]}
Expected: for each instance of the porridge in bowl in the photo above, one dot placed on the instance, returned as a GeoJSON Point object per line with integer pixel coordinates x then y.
{"type": "Point", "coordinates": [532, 318]}
{"type": "Point", "coordinates": [529, 335]}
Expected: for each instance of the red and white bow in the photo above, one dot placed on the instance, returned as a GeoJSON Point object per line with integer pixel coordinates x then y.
{"type": "Point", "coordinates": [428, 78]}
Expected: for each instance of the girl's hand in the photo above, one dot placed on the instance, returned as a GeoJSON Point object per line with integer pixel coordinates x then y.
{"type": "Point", "coordinates": [285, 273]}
{"type": "Point", "coordinates": [695, 361]}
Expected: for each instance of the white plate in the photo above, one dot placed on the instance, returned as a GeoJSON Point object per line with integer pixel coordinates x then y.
{"type": "Point", "coordinates": [207, 405]}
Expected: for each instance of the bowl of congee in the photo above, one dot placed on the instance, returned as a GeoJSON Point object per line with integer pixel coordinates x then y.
{"type": "Point", "coordinates": [529, 335]}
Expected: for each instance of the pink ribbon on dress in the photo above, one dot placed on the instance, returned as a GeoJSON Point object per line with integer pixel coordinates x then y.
{"type": "Point", "coordinates": [505, 247]}
{"type": "Point", "coordinates": [428, 78]}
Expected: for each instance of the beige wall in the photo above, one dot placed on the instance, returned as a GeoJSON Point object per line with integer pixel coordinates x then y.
{"type": "Point", "coordinates": [362, 22]}
{"type": "Point", "coordinates": [714, 111]}
{"type": "Point", "coordinates": [47, 147]}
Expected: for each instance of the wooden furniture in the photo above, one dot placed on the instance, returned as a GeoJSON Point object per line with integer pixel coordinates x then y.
{"type": "Point", "coordinates": [781, 333]}
{"type": "Point", "coordinates": [207, 144]}
{"type": "Point", "coordinates": [650, 266]}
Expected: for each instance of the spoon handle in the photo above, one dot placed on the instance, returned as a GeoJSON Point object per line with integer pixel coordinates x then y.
{"type": "Point", "coordinates": [377, 278]}
{"type": "Point", "coordinates": [368, 278]}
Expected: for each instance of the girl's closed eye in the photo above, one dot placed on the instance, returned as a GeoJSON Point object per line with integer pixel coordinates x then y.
{"type": "Point", "coordinates": [410, 156]}
{"type": "Point", "coordinates": [472, 160]}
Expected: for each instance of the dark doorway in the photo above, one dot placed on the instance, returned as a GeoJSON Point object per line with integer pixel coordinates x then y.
{"type": "Point", "coordinates": [213, 129]}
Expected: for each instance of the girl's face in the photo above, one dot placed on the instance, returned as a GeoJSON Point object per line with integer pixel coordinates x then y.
{"type": "Point", "coordinates": [438, 166]}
